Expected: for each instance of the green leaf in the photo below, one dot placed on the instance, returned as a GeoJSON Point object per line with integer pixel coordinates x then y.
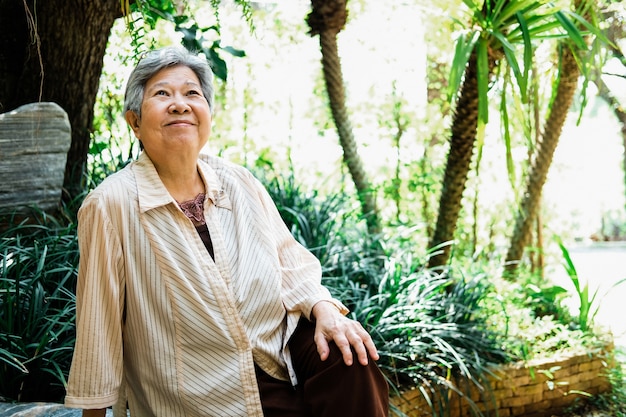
{"type": "Point", "coordinates": [528, 46]}
{"type": "Point", "coordinates": [97, 147]}
{"type": "Point", "coordinates": [234, 51]}
{"type": "Point", "coordinates": [538, 23]}
{"type": "Point", "coordinates": [10, 359]}
{"type": "Point", "coordinates": [179, 20]}
{"type": "Point", "coordinates": [504, 114]}
{"type": "Point", "coordinates": [476, 9]}
{"type": "Point", "coordinates": [511, 58]}
{"type": "Point", "coordinates": [464, 47]}
{"type": "Point", "coordinates": [572, 30]}
{"type": "Point", "coordinates": [511, 8]}
{"type": "Point", "coordinates": [569, 266]}
{"type": "Point", "coordinates": [189, 36]}
{"type": "Point", "coordinates": [474, 5]}
{"type": "Point", "coordinates": [218, 65]}
{"type": "Point", "coordinates": [213, 28]}
{"type": "Point", "coordinates": [482, 79]}
{"type": "Point", "coordinates": [595, 30]}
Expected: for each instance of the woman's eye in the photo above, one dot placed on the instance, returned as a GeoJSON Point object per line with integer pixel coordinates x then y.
{"type": "Point", "coordinates": [193, 92]}
{"type": "Point", "coordinates": [161, 93]}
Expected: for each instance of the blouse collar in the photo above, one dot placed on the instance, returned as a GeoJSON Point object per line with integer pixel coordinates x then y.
{"type": "Point", "coordinates": [152, 193]}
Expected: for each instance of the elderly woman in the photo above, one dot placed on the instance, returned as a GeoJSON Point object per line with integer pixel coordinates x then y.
{"type": "Point", "coordinates": [193, 298]}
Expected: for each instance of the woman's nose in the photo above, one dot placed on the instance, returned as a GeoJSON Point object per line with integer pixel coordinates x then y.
{"type": "Point", "coordinates": [179, 105]}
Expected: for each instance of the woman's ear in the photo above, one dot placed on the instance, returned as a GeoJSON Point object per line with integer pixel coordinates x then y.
{"type": "Point", "coordinates": [133, 121]}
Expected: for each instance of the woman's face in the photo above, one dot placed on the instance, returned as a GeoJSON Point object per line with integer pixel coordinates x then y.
{"type": "Point", "coordinates": [175, 115]}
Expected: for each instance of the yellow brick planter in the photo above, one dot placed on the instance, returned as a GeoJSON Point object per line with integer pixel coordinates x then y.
{"type": "Point", "coordinates": [530, 389]}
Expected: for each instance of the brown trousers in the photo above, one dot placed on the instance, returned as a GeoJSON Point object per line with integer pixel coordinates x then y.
{"type": "Point", "coordinates": [327, 388]}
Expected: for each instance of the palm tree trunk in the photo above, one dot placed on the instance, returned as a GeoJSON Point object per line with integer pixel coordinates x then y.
{"type": "Point", "coordinates": [327, 18]}
{"type": "Point", "coordinates": [529, 207]}
{"type": "Point", "coordinates": [463, 136]}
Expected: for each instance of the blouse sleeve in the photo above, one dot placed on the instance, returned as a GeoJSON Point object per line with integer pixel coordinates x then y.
{"type": "Point", "coordinates": [96, 371]}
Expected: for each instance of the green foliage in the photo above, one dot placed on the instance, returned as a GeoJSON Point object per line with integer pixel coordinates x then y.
{"type": "Point", "coordinates": [587, 308]}
{"type": "Point", "coordinates": [312, 221]}
{"type": "Point", "coordinates": [501, 24]}
{"type": "Point", "coordinates": [194, 37]}
{"type": "Point", "coordinates": [547, 300]}
{"type": "Point", "coordinates": [588, 301]}
{"type": "Point", "coordinates": [534, 319]}
{"type": "Point", "coordinates": [428, 331]}
{"type": "Point", "coordinates": [497, 27]}
{"type": "Point", "coordinates": [430, 328]}
{"type": "Point", "coordinates": [37, 309]}
{"type": "Point", "coordinates": [431, 333]}
{"type": "Point", "coordinates": [112, 142]}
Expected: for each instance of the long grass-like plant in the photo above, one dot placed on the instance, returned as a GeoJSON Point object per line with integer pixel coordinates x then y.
{"type": "Point", "coordinates": [589, 303]}
{"type": "Point", "coordinates": [37, 308]}
{"type": "Point", "coordinates": [431, 333]}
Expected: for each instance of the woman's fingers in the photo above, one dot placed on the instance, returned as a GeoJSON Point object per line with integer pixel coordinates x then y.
{"type": "Point", "coordinates": [349, 336]}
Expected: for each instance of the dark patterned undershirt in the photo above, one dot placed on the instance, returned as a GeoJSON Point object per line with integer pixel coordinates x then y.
{"type": "Point", "coordinates": [194, 210]}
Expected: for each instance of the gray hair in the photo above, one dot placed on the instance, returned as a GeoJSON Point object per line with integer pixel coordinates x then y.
{"type": "Point", "coordinates": [155, 61]}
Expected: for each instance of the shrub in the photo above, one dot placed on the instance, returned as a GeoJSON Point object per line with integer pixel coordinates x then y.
{"type": "Point", "coordinates": [426, 324]}
{"type": "Point", "coordinates": [37, 309]}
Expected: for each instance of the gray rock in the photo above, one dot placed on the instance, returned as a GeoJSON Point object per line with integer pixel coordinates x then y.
{"type": "Point", "coordinates": [34, 140]}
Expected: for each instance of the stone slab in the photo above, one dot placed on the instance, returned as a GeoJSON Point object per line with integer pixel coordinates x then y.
{"type": "Point", "coordinates": [34, 140]}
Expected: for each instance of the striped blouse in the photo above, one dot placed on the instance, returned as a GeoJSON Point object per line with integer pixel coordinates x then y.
{"type": "Point", "coordinates": [163, 327]}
